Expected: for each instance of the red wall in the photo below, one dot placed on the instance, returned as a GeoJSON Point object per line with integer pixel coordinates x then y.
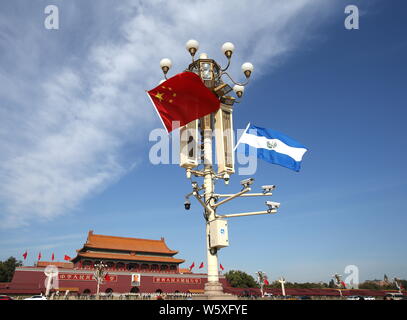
{"type": "Point", "coordinates": [34, 280]}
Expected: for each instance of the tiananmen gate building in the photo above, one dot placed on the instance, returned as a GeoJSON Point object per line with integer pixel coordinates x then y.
{"type": "Point", "coordinates": [133, 265]}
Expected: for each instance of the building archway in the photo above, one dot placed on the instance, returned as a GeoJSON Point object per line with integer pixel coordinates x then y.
{"type": "Point", "coordinates": [109, 291]}
{"type": "Point", "coordinates": [87, 263]}
{"type": "Point", "coordinates": [131, 266]}
{"type": "Point", "coordinates": [86, 291]}
{"type": "Point", "coordinates": [120, 265]}
{"type": "Point", "coordinates": [135, 290]}
{"type": "Point", "coordinates": [159, 291]}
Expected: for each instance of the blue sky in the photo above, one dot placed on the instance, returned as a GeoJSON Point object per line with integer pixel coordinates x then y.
{"type": "Point", "coordinates": [75, 122]}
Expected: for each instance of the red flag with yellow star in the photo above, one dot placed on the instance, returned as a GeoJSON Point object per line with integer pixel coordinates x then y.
{"type": "Point", "coordinates": [182, 98]}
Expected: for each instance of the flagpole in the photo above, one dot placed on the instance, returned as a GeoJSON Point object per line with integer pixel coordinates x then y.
{"type": "Point", "coordinates": [240, 138]}
{"type": "Point", "coordinates": [155, 108]}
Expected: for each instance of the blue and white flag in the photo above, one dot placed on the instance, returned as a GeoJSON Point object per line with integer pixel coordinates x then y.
{"type": "Point", "coordinates": [273, 146]}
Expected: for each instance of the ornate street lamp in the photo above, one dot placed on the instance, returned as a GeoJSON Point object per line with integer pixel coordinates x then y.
{"type": "Point", "coordinates": [196, 145]}
{"type": "Point", "coordinates": [100, 273]}
{"type": "Point", "coordinates": [261, 279]}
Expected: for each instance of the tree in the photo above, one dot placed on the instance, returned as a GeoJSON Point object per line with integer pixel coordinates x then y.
{"type": "Point", "coordinates": [331, 284]}
{"type": "Point", "coordinates": [7, 269]}
{"type": "Point", "coordinates": [240, 279]}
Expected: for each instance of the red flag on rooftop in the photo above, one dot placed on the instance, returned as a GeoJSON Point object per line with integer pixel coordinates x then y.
{"type": "Point", "coordinates": [201, 266]}
{"type": "Point", "coordinates": [39, 256]}
{"type": "Point", "coordinates": [191, 266]}
{"type": "Point", "coordinates": [182, 98]}
{"type": "Point", "coordinates": [221, 267]}
{"type": "Point", "coordinates": [25, 254]}
{"type": "Point", "coordinates": [67, 258]}
{"type": "Point", "coordinates": [52, 257]}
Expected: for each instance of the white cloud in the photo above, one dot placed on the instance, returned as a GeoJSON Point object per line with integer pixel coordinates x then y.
{"type": "Point", "coordinates": [62, 133]}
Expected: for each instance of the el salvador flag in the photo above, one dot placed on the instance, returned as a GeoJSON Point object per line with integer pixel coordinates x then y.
{"type": "Point", "coordinates": [273, 146]}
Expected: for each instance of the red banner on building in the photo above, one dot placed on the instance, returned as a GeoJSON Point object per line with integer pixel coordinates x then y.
{"type": "Point", "coordinates": [176, 280]}
{"type": "Point", "coordinates": [84, 277]}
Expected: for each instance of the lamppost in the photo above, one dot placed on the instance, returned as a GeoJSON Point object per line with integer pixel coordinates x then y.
{"type": "Point", "coordinates": [261, 279]}
{"type": "Point", "coordinates": [196, 145]}
{"type": "Point", "coordinates": [282, 282]}
{"type": "Point", "coordinates": [100, 273]}
{"type": "Point", "coordinates": [398, 285]}
{"type": "Point", "coordinates": [338, 282]}
{"type": "Point", "coordinates": [51, 281]}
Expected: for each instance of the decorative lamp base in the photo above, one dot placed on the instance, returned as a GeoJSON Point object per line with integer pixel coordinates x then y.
{"type": "Point", "coordinates": [214, 291]}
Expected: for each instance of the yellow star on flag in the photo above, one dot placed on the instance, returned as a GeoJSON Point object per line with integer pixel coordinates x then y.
{"type": "Point", "coordinates": [159, 96]}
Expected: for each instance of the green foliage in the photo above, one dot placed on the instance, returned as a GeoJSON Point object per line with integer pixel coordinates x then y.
{"type": "Point", "coordinates": [240, 279]}
{"type": "Point", "coordinates": [305, 285]}
{"type": "Point", "coordinates": [331, 284]}
{"type": "Point", "coordinates": [374, 285]}
{"type": "Point", "coordinates": [7, 268]}
{"type": "Point", "coordinates": [369, 285]}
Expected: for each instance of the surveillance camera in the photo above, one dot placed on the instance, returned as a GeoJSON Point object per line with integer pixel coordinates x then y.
{"type": "Point", "coordinates": [273, 205]}
{"type": "Point", "coordinates": [247, 182]}
{"type": "Point", "coordinates": [226, 177]}
{"type": "Point", "coordinates": [269, 188]}
{"type": "Point", "coordinates": [187, 205]}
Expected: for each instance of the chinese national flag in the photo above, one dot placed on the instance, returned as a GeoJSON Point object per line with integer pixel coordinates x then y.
{"type": "Point", "coordinates": [25, 254]}
{"type": "Point", "coordinates": [183, 98]}
{"type": "Point", "coordinates": [39, 256]}
{"type": "Point", "coordinates": [191, 266]}
{"type": "Point", "coordinates": [67, 258]}
{"type": "Point", "coordinates": [266, 282]}
{"type": "Point", "coordinates": [221, 267]}
{"type": "Point", "coordinates": [52, 257]}
{"type": "Point", "coordinates": [201, 266]}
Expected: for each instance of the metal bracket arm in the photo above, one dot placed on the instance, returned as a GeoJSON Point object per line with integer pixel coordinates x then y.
{"type": "Point", "coordinates": [232, 197]}
{"type": "Point", "coordinates": [231, 215]}
{"type": "Point", "coordinates": [198, 197]}
{"type": "Point", "coordinates": [244, 195]}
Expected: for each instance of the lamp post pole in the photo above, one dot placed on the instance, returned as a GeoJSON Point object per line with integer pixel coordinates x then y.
{"type": "Point", "coordinates": [221, 123]}
{"type": "Point", "coordinates": [99, 274]}
{"type": "Point", "coordinates": [213, 284]}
